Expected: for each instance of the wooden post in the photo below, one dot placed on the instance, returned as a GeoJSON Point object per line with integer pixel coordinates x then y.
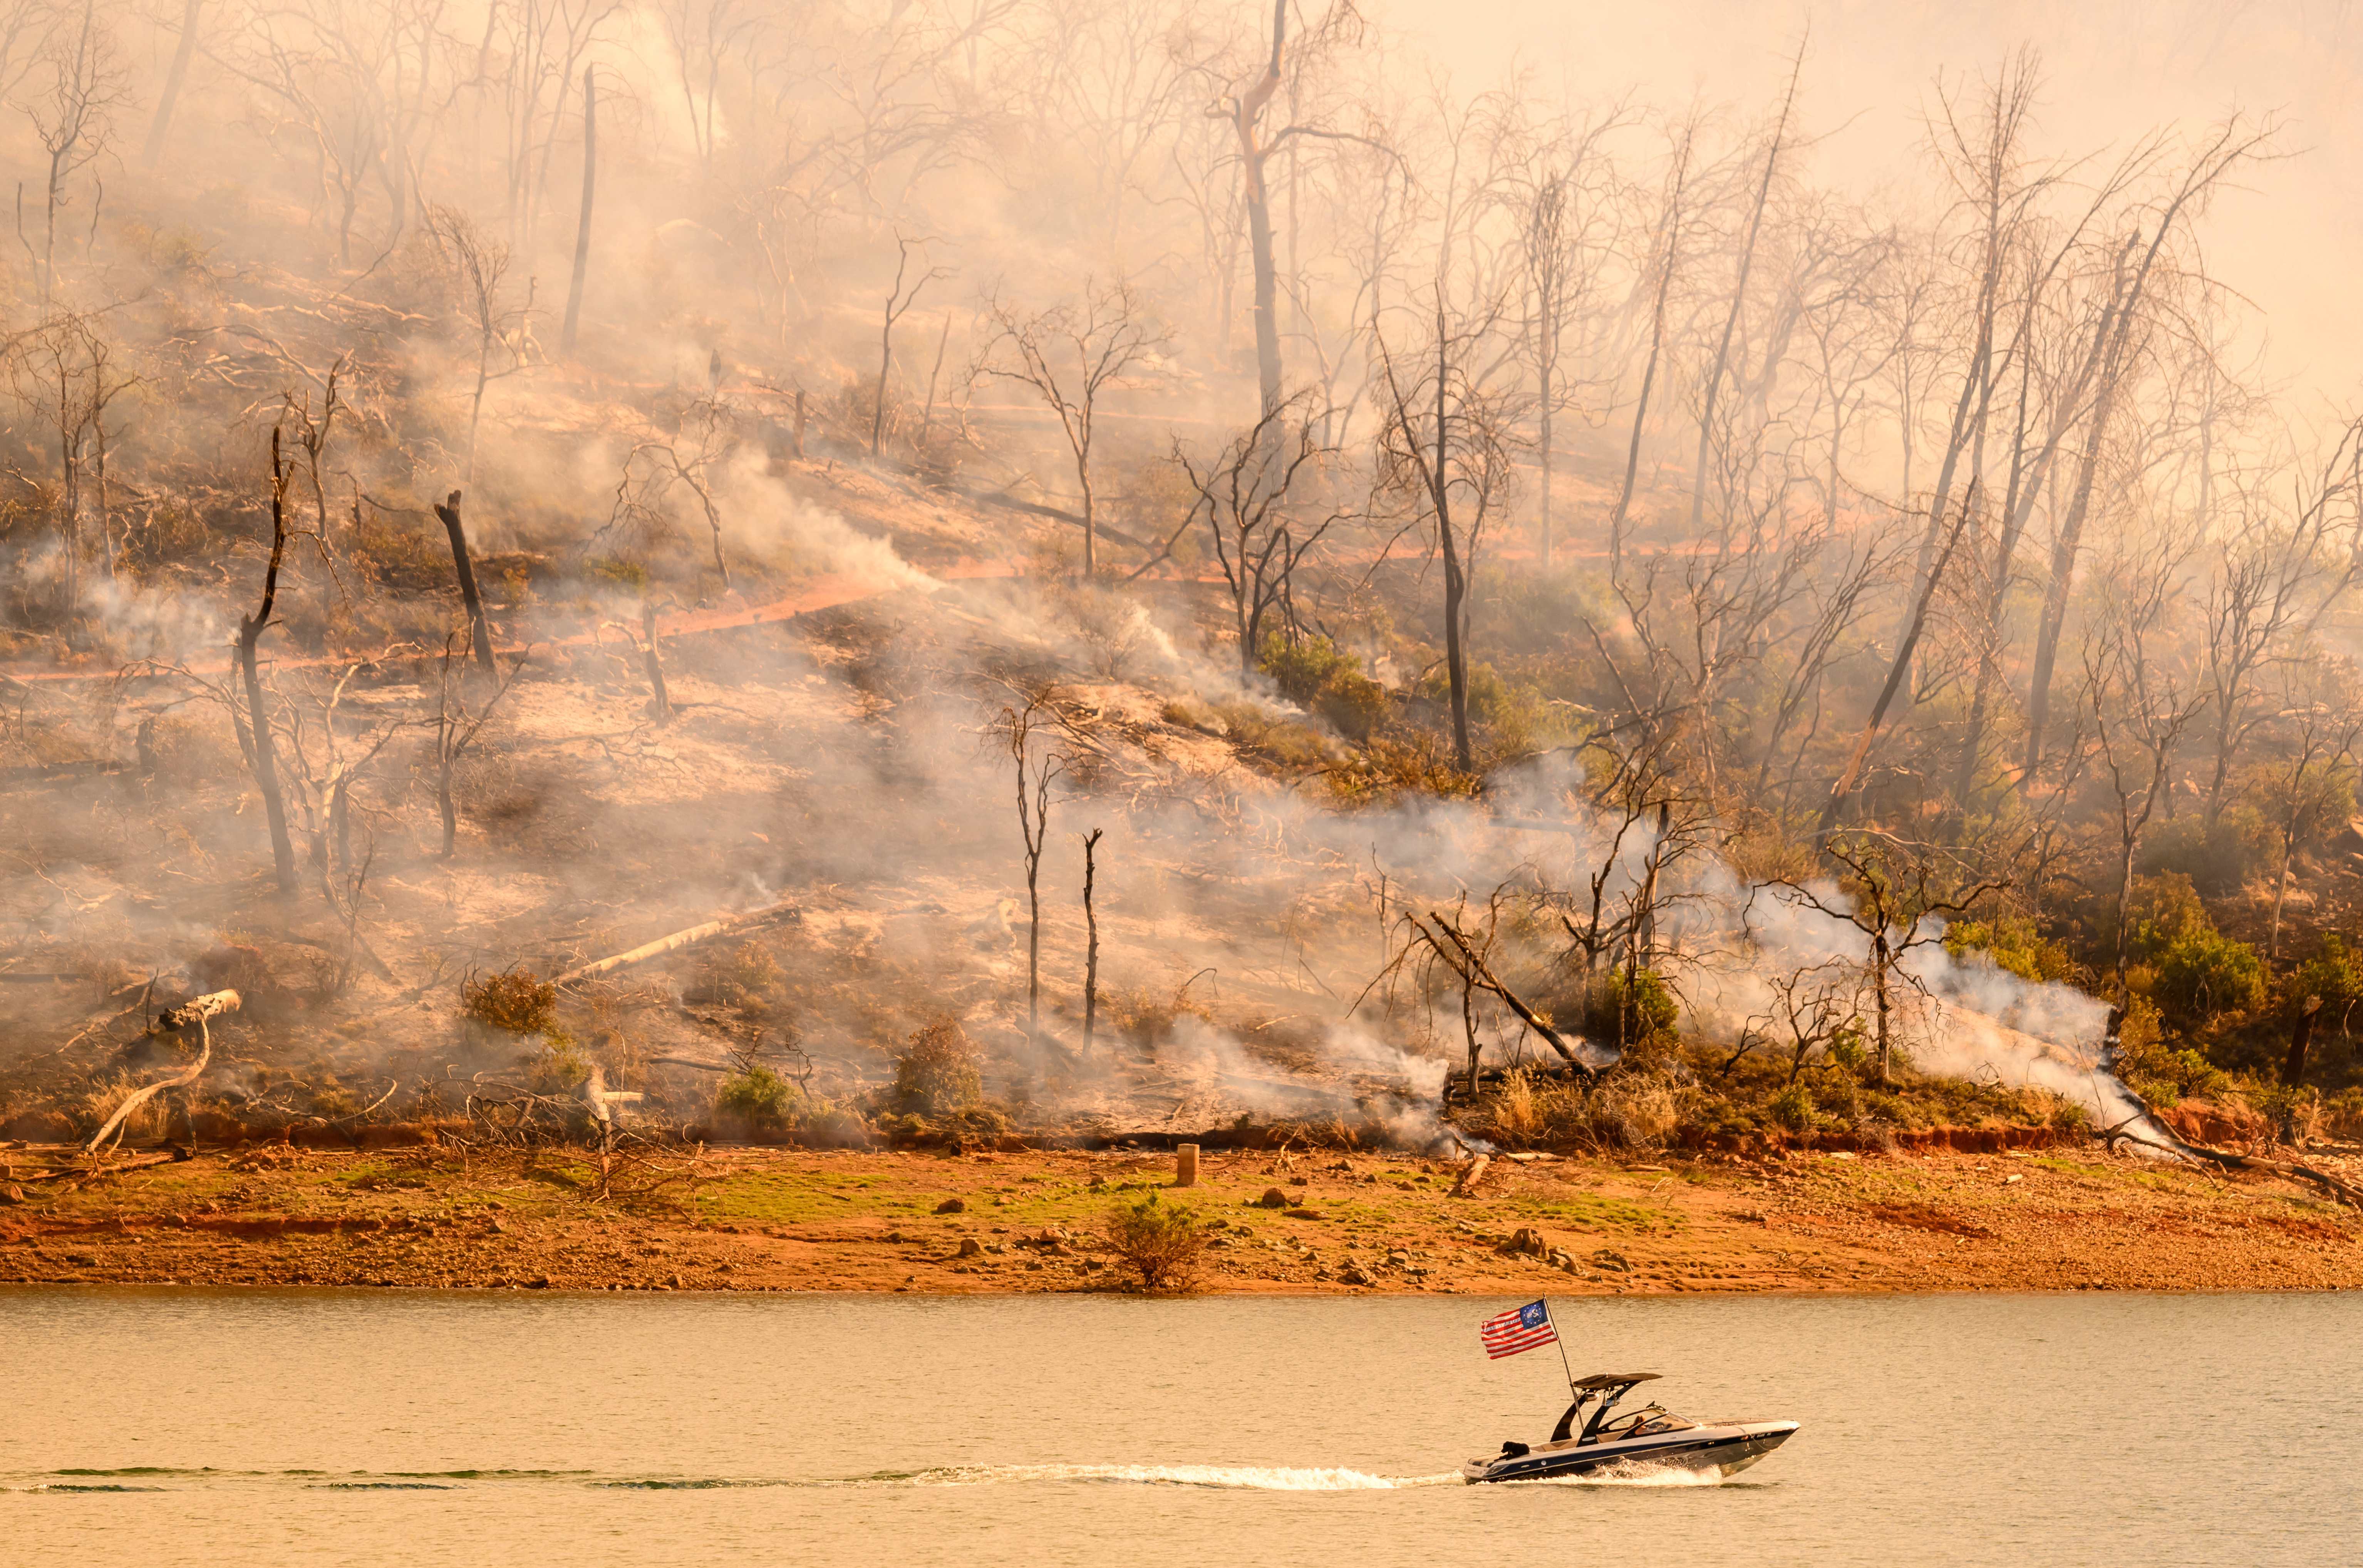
{"type": "Point", "coordinates": [1185, 1165]}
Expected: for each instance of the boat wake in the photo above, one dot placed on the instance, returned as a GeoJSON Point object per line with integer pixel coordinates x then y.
{"type": "Point", "coordinates": [1220, 1477]}
{"type": "Point", "coordinates": [1633, 1475]}
{"type": "Point", "coordinates": [1211, 1477]}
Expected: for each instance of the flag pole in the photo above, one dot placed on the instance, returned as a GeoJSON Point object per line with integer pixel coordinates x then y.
{"type": "Point", "coordinates": [1560, 1340]}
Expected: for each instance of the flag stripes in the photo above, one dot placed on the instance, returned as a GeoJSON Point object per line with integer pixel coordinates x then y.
{"type": "Point", "coordinates": [1519, 1328]}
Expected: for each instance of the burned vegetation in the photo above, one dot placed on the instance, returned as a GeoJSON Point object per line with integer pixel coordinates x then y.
{"type": "Point", "coordinates": [1531, 625]}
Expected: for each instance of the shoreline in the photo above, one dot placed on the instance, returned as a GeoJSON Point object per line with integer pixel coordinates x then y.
{"type": "Point", "coordinates": [768, 1219]}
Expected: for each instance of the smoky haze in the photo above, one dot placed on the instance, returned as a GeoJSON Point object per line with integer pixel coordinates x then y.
{"type": "Point", "coordinates": [1630, 581]}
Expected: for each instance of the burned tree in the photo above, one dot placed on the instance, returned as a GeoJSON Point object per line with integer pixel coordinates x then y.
{"type": "Point", "coordinates": [1889, 895]}
{"type": "Point", "coordinates": [457, 724]}
{"type": "Point", "coordinates": [1663, 263]}
{"type": "Point", "coordinates": [1070, 355]}
{"type": "Point", "coordinates": [1037, 767]}
{"type": "Point", "coordinates": [1716, 369]}
{"type": "Point", "coordinates": [447, 512]}
{"type": "Point", "coordinates": [1258, 531]}
{"type": "Point", "coordinates": [1091, 930]}
{"type": "Point", "coordinates": [261, 753]}
{"type": "Point", "coordinates": [75, 121]}
{"type": "Point", "coordinates": [480, 270]}
{"type": "Point", "coordinates": [2232, 144]}
{"type": "Point", "coordinates": [66, 371]}
{"type": "Point", "coordinates": [1444, 451]}
{"type": "Point", "coordinates": [582, 220]}
{"type": "Point", "coordinates": [183, 52]}
{"type": "Point", "coordinates": [2140, 705]}
{"type": "Point", "coordinates": [898, 301]}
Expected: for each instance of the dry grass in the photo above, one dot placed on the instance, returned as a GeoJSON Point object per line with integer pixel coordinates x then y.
{"type": "Point", "coordinates": [1629, 1115]}
{"type": "Point", "coordinates": [99, 1101]}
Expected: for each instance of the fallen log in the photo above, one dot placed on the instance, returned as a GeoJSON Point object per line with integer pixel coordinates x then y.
{"type": "Point", "coordinates": [195, 1011]}
{"type": "Point", "coordinates": [84, 1171]}
{"type": "Point", "coordinates": [2228, 1161]}
{"type": "Point", "coordinates": [1035, 509]}
{"type": "Point", "coordinates": [1479, 973]}
{"type": "Point", "coordinates": [676, 941]}
{"type": "Point", "coordinates": [1471, 1175]}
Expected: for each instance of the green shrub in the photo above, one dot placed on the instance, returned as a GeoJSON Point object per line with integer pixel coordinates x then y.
{"type": "Point", "coordinates": [758, 1097]}
{"type": "Point", "coordinates": [1793, 1108]}
{"type": "Point", "coordinates": [2156, 1071]}
{"type": "Point", "coordinates": [2205, 975]}
{"type": "Point", "coordinates": [1160, 1242]}
{"type": "Point", "coordinates": [1846, 1049]}
{"type": "Point", "coordinates": [936, 1074]}
{"type": "Point", "coordinates": [1355, 705]}
{"type": "Point", "coordinates": [1841, 1097]}
{"type": "Point", "coordinates": [2332, 973]}
{"type": "Point", "coordinates": [2063, 1113]}
{"type": "Point", "coordinates": [560, 1068]}
{"type": "Point", "coordinates": [1517, 716]}
{"type": "Point", "coordinates": [1290, 744]}
{"type": "Point", "coordinates": [2214, 857]}
{"type": "Point", "coordinates": [1317, 675]}
{"type": "Point", "coordinates": [2012, 944]}
{"type": "Point", "coordinates": [626, 575]}
{"type": "Point", "coordinates": [2161, 910]}
{"type": "Point", "coordinates": [1305, 668]}
{"type": "Point", "coordinates": [1617, 1009]}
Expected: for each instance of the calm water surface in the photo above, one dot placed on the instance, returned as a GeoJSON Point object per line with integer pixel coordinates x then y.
{"type": "Point", "coordinates": [297, 1427]}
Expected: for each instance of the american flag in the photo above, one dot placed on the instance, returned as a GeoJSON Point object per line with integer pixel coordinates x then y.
{"type": "Point", "coordinates": [1519, 1328]}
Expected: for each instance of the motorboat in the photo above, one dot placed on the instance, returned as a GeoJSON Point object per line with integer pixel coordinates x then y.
{"type": "Point", "coordinates": [1651, 1439]}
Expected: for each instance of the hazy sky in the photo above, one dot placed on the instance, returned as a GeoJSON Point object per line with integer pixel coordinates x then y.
{"type": "Point", "coordinates": [2292, 242]}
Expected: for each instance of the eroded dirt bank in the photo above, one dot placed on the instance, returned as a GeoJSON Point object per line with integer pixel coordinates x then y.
{"type": "Point", "coordinates": [771, 1219]}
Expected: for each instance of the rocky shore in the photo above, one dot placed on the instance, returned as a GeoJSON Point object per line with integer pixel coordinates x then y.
{"type": "Point", "coordinates": [1306, 1222]}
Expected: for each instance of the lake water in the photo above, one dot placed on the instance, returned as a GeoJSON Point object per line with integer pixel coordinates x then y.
{"type": "Point", "coordinates": [368, 1427]}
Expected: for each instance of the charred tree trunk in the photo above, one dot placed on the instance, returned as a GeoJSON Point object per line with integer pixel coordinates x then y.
{"type": "Point", "coordinates": [451, 814]}
{"type": "Point", "coordinates": [1881, 967]}
{"type": "Point", "coordinates": [2055, 599]}
{"type": "Point", "coordinates": [1092, 945]}
{"type": "Point", "coordinates": [660, 697]}
{"type": "Point", "coordinates": [1740, 293]}
{"type": "Point", "coordinates": [1898, 671]}
{"type": "Point", "coordinates": [2114, 371]}
{"type": "Point", "coordinates": [480, 630]}
{"type": "Point", "coordinates": [171, 95]}
{"type": "Point", "coordinates": [2301, 1041]}
{"type": "Point", "coordinates": [265, 756]}
{"type": "Point", "coordinates": [1248, 109]}
{"type": "Point", "coordinates": [341, 823]}
{"type": "Point", "coordinates": [1456, 581]}
{"type": "Point", "coordinates": [582, 224]}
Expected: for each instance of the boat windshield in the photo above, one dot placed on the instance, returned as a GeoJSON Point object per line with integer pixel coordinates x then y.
{"type": "Point", "coordinates": [1641, 1423]}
